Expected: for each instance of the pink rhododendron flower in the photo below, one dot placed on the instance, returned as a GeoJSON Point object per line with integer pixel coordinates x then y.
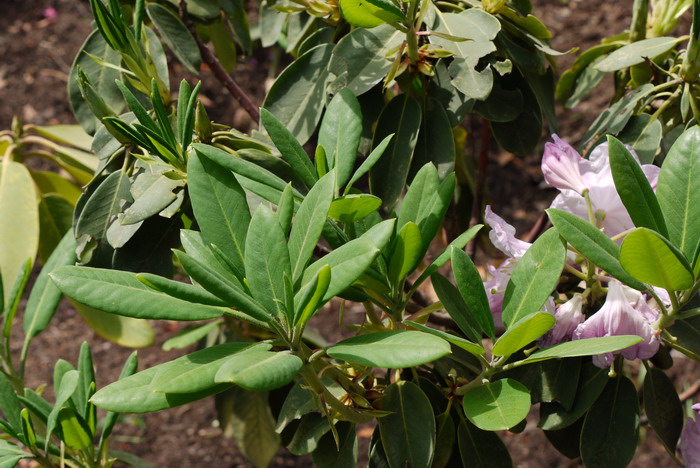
{"type": "Point", "coordinates": [619, 317]}
{"type": "Point", "coordinates": [690, 440]}
{"type": "Point", "coordinates": [561, 166]}
{"type": "Point", "coordinates": [569, 316]}
{"type": "Point", "coordinates": [597, 178]}
{"type": "Point", "coordinates": [50, 13]}
{"type": "Point", "coordinates": [502, 235]}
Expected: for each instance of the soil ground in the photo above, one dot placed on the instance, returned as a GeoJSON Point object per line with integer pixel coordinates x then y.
{"type": "Point", "coordinates": [35, 57]}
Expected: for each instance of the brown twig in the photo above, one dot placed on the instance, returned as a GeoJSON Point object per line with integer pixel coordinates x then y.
{"type": "Point", "coordinates": [690, 392]}
{"type": "Point", "coordinates": [537, 228]}
{"type": "Point", "coordinates": [219, 72]}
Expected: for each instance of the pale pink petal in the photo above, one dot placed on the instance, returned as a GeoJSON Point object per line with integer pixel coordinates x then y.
{"type": "Point", "coordinates": [502, 235]}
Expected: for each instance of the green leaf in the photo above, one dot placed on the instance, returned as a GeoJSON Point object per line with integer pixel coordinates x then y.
{"type": "Point", "coordinates": [102, 78]}
{"type": "Point", "coordinates": [406, 253]}
{"type": "Point", "coordinates": [259, 370]}
{"type": "Point", "coordinates": [135, 394]}
{"type": "Point", "coordinates": [185, 291]}
{"type": "Point", "coordinates": [392, 349]}
{"type": "Point", "coordinates": [121, 293]}
{"type": "Point", "coordinates": [267, 261]}
{"type": "Point", "coordinates": [72, 135]}
{"type": "Point", "coordinates": [408, 431]}
{"type": "Point", "coordinates": [75, 435]}
{"type": "Point", "coordinates": [220, 206]}
{"type": "Point", "coordinates": [340, 132]}
{"type": "Point", "coordinates": [309, 431]}
{"type": "Point", "coordinates": [222, 288]}
{"type": "Point", "coordinates": [175, 34]}
{"type": "Point", "coordinates": [308, 224]}
{"type": "Point", "coordinates": [354, 207]}
{"type": "Point", "coordinates": [190, 336]}
{"type": "Point", "coordinates": [454, 304]}
{"type": "Point", "coordinates": [634, 189]}
{"type": "Point", "coordinates": [445, 437]}
{"type": "Point", "coordinates": [611, 429]}
{"type": "Point", "coordinates": [196, 371]}
{"type": "Point", "coordinates": [310, 298]}
{"type": "Point", "coordinates": [472, 290]}
{"type": "Point", "coordinates": [344, 455]}
{"type": "Point", "coordinates": [45, 296]}
{"type": "Point", "coordinates": [523, 332]}
{"type": "Point", "coordinates": [55, 219]}
{"type": "Point", "coordinates": [497, 406]}
{"type": "Point", "coordinates": [636, 53]}
{"type": "Point", "coordinates": [652, 259]}
{"type": "Point", "coordinates": [481, 449]}
{"type": "Point", "coordinates": [678, 181]}
{"type": "Point", "coordinates": [370, 13]}
{"type": "Point", "coordinates": [359, 60]}
{"type": "Point", "coordinates": [466, 345]}
{"type": "Point", "coordinates": [19, 221]}
{"type": "Point", "coordinates": [644, 135]}
{"type": "Point", "coordinates": [297, 96]}
{"type": "Point", "coordinates": [102, 205]}
{"type": "Point", "coordinates": [347, 263]}
{"type": "Point", "coordinates": [436, 142]}
{"type": "Point", "coordinates": [592, 243]}
{"type": "Point", "coordinates": [534, 277]}
{"type": "Point", "coordinates": [663, 408]}
{"type": "Point", "coordinates": [289, 148]}
{"type": "Point", "coordinates": [402, 117]}
{"type": "Point", "coordinates": [584, 347]}
{"type": "Point", "coordinates": [9, 404]}
{"type": "Point", "coordinates": [64, 390]}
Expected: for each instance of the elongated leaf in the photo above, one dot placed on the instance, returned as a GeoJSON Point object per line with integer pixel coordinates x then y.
{"type": "Point", "coordinates": [105, 203]}
{"type": "Point", "coordinates": [196, 371]}
{"type": "Point", "coordinates": [121, 293]}
{"type": "Point", "coordinates": [634, 189]}
{"type": "Point", "coordinates": [9, 404]}
{"type": "Point", "coordinates": [406, 253]}
{"type": "Point", "coordinates": [534, 277]}
{"type": "Point", "coordinates": [65, 388]}
{"type": "Point", "coordinates": [259, 370]}
{"type": "Point", "coordinates": [347, 264]}
{"type": "Point", "coordinates": [408, 432]}
{"type": "Point", "coordinates": [101, 77]}
{"type": "Point", "coordinates": [523, 332]}
{"type": "Point", "coordinates": [676, 191]}
{"type": "Point", "coordinates": [19, 221]}
{"type": "Point", "coordinates": [267, 261]}
{"type": "Point", "coordinates": [592, 243]}
{"type": "Point", "coordinates": [186, 292]}
{"type": "Point", "coordinates": [55, 217]}
{"type": "Point", "coordinates": [654, 260]}
{"type": "Point", "coordinates": [75, 433]}
{"type": "Point", "coordinates": [436, 142]}
{"type": "Point", "coordinates": [663, 408]}
{"type": "Point", "coordinates": [481, 449]}
{"type": "Point", "coordinates": [328, 455]}
{"type": "Point", "coordinates": [359, 60]}
{"type": "Point", "coordinates": [340, 132]}
{"type": "Point", "coordinates": [308, 433]}
{"type": "Point", "coordinates": [45, 296]}
{"type": "Point", "coordinates": [497, 406]}
{"type": "Point", "coordinates": [402, 117]}
{"type": "Point", "coordinates": [220, 206]}
{"type": "Point", "coordinates": [392, 349]}
{"type": "Point", "coordinates": [308, 224]}
{"type": "Point", "coordinates": [584, 347]}
{"type": "Point", "coordinates": [611, 428]}
{"type": "Point", "coordinates": [298, 94]}
{"type": "Point", "coordinates": [455, 306]}
{"type": "Point", "coordinates": [175, 34]}
{"type": "Point", "coordinates": [289, 148]}
{"type": "Point", "coordinates": [636, 53]}
{"type": "Point", "coordinates": [134, 394]}
{"type": "Point", "coordinates": [354, 207]}
{"type": "Point", "coordinates": [222, 288]}
{"type": "Point", "coordinates": [310, 298]}
{"type": "Point", "coordinates": [466, 345]}
{"type": "Point", "coordinates": [369, 162]}
{"type": "Point", "coordinates": [471, 288]}
{"type": "Point", "coordinates": [371, 13]}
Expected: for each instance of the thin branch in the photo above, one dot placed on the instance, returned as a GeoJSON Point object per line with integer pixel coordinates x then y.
{"type": "Point", "coordinates": [219, 72]}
